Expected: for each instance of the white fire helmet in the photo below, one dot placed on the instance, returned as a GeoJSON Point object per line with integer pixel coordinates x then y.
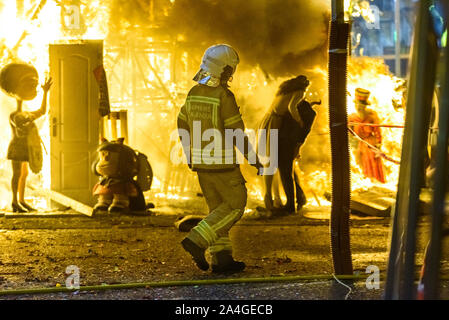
{"type": "Point", "coordinates": [215, 59]}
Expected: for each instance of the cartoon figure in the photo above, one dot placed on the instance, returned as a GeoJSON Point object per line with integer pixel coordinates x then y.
{"type": "Point", "coordinates": [20, 80]}
{"type": "Point", "coordinates": [117, 191]}
{"type": "Point", "coordinates": [369, 160]}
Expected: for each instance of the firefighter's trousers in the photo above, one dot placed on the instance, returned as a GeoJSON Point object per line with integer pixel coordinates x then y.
{"type": "Point", "coordinates": [225, 193]}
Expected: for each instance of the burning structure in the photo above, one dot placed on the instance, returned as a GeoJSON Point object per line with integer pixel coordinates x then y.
{"type": "Point", "coordinates": [122, 68]}
{"type": "Point", "coordinates": [150, 50]}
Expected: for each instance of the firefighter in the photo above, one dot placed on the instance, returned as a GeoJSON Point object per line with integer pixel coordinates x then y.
{"type": "Point", "coordinates": [211, 109]}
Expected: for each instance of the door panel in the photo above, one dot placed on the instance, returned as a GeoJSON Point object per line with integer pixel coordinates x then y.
{"type": "Point", "coordinates": [74, 175]}
{"type": "Point", "coordinates": [74, 102]}
{"type": "Point", "coordinates": [75, 99]}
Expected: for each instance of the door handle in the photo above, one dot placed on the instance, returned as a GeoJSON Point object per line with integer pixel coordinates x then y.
{"type": "Point", "coordinates": [54, 124]}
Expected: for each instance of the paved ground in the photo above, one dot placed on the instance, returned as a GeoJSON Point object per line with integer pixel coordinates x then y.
{"type": "Point", "coordinates": [35, 251]}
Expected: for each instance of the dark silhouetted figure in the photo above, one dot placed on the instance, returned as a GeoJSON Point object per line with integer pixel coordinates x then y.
{"type": "Point", "coordinates": [291, 137]}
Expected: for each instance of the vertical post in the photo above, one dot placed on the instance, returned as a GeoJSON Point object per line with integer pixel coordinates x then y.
{"type": "Point", "coordinates": [338, 124]}
{"type": "Point", "coordinates": [174, 61]}
{"type": "Point", "coordinates": [151, 9]}
{"type": "Point", "coordinates": [102, 125]}
{"type": "Point", "coordinates": [397, 24]}
{"type": "Point", "coordinates": [19, 8]}
{"type": "Point", "coordinates": [113, 118]}
{"type": "Point", "coordinates": [338, 11]}
{"type": "Point", "coordinates": [133, 56]}
{"type": "Point", "coordinates": [123, 115]}
{"type": "Point", "coordinates": [401, 264]}
{"type": "Point", "coordinates": [432, 269]}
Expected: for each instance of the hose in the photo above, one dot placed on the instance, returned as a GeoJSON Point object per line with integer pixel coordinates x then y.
{"type": "Point", "coordinates": [184, 283]}
{"type": "Point", "coordinates": [181, 283]}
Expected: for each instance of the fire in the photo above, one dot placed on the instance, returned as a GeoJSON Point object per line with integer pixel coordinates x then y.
{"type": "Point", "coordinates": [254, 90]}
{"type": "Point", "coordinates": [314, 168]}
{"type": "Point", "coordinates": [314, 184]}
{"type": "Point", "coordinates": [387, 100]}
{"type": "Point", "coordinates": [25, 36]}
{"type": "Point", "coordinates": [357, 8]}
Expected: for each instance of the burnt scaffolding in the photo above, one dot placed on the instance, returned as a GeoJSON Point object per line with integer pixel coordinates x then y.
{"type": "Point", "coordinates": [147, 78]}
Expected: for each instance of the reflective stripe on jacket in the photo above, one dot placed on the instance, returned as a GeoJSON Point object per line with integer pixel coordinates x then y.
{"type": "Point", "coordinates": [207, 112]}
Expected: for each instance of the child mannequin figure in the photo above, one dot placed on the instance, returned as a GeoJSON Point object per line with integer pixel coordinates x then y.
{"type": "Point", "coordinates": [20, 80]}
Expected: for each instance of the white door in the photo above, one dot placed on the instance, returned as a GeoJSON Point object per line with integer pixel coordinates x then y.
{"type": "Point", "coordinates": [74, 118]}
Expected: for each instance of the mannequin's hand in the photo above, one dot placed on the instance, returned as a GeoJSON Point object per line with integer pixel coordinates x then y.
{"type": "Point", "coordinates": [46, 86]}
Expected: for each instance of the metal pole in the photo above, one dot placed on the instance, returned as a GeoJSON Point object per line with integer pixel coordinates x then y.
{"type": "Point", "coordinates": [401, 264]}
{"type": "Point", "coordinates": [338, 11]}
{"type": "Point", "coordinates": [421, 99]}
{"type": "Point", "coordinates": [432, 269]}
{"type": "Point", "coordinates": [397, 23]}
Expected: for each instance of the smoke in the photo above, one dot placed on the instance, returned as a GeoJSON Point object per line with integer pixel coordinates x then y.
{"type": "Point", "coordinates": [275, 39]}
{"type": "Point", "coordinates": [281, 37]}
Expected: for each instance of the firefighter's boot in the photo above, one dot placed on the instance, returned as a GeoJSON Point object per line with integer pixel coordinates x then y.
{"type": "Point", "coordinates": [225, 263]}
{"type": "Point", "coordinates": [196, 252]}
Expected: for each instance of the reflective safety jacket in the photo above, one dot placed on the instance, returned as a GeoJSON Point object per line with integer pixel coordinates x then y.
{"type": "Point", "coordinates": [207, 112]}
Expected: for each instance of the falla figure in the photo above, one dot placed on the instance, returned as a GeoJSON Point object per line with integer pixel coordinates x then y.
{"type": "Point", "coordinates": [20, 81]}
{"type": "Point", "coordinates": [117, 190]}
{"type": "Point", "coordinates": [370, 161]}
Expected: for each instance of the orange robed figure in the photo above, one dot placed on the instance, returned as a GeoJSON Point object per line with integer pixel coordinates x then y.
{"type": "Point", "coordinates": [369, 160]}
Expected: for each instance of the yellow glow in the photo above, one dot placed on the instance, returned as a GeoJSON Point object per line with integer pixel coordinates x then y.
{"type": "Point", "coordinates": [369, 74]}
{"type": "Point", "coordinates": [348, 9]}
{"type": "Point", "coordinates": [31, 39]}
{"type": "Point", "coordinates": [444, 39]}
{"type": "Point", "coordinates": [372, 74]}
{"type": "Point", "coordinates": [357, 8]}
